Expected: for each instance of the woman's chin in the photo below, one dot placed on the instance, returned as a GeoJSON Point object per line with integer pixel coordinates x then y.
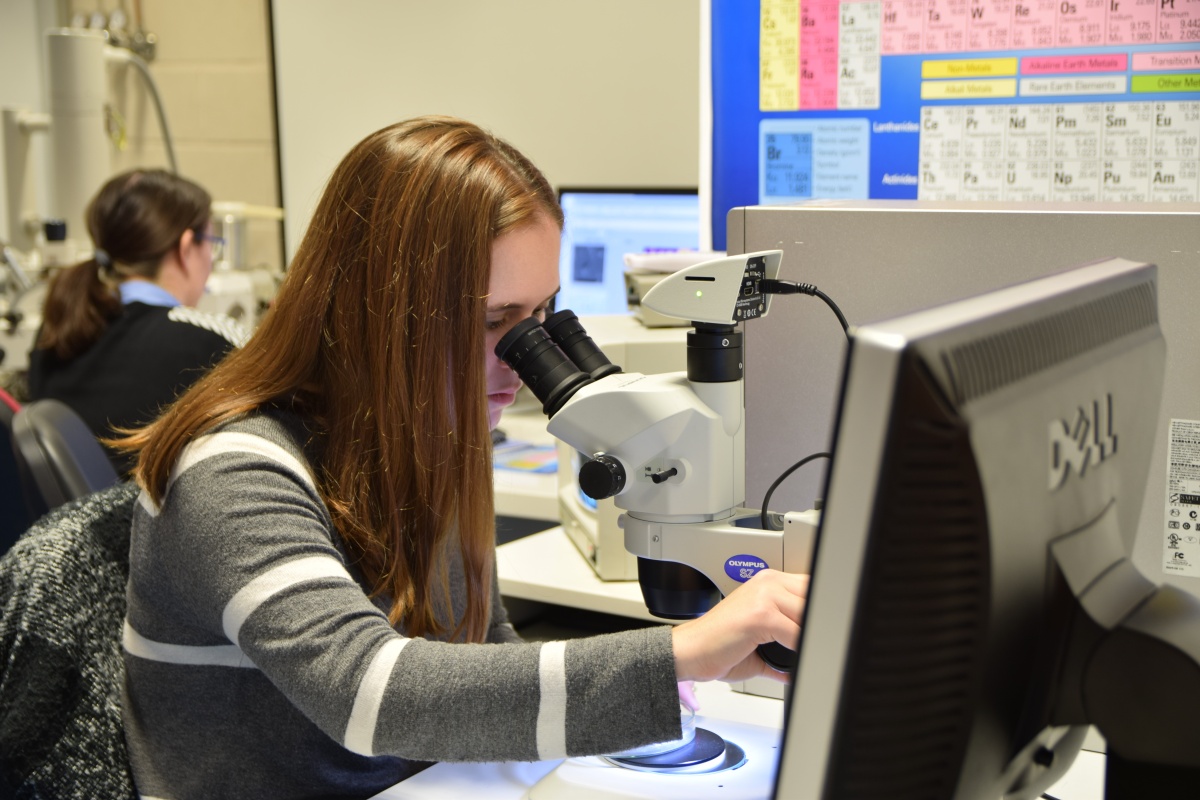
{"type": "Point", "coordinates": [494, 413]}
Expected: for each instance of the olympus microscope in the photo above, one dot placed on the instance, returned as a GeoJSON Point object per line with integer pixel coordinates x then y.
{"type": "Point", "coordinates": [670, 450]}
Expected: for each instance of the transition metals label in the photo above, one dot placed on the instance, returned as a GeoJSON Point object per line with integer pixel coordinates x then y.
{"type": "Point", "coordinates": [1181, 534]}
{"type": "Point", "coordinates": [1149, 62]}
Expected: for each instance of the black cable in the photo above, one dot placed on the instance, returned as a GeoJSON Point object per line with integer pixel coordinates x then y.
{"type": "Point", "coordinates": [1049, 797]}
{"type": "Point", "coordinates": [771, 286]}
{"type": "Point", "coordinates": [780, 479]}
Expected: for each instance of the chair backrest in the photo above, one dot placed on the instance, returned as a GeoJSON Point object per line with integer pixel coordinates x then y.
{"type": "Point", "coordinates": [61, 455]}
{"type": "Point", "coordinates": [62, 607]}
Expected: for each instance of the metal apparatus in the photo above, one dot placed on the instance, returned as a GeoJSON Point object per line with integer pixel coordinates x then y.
{"type": "Point", "coordinates": [670, 448]}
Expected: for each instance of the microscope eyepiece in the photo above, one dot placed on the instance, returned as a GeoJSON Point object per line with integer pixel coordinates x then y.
{"type": "Point", "coordinates": [567, 332]}
{"type": "Point", "coordinates": [545, 369]}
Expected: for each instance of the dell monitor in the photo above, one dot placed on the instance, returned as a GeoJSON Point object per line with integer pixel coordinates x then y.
{"type": "Point", "coordinates": [602, 225]}
{"type": "Point", "coordinates": [973, 606]}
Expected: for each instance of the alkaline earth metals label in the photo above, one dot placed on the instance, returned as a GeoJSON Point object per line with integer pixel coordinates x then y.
{"type": "Point", "coordinates": [1181, 545]}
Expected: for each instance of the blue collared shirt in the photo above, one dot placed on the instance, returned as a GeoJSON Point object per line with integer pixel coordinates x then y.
{"type": "Point", "coordinates": [146, 292]}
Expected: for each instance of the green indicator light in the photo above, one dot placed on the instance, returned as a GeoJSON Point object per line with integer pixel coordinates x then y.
{"type": "Point", "coordinates": [699, 293]}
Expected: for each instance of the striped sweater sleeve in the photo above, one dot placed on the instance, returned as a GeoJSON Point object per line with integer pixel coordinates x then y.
{"type": "Point", "coordinates": [238, 575]}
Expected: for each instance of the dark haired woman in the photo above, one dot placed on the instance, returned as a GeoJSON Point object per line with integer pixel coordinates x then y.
{"type": "Point", "coordinates": [120, 336]}
{"type": "Point", "coordinates": [313, 609]}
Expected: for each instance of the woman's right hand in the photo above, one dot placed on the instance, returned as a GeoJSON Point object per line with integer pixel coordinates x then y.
{"type": "Point", "coordinates": [721, 644]}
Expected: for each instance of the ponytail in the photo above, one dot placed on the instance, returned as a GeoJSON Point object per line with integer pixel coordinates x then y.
{"type": "Point", "coordinates": [79, 306]}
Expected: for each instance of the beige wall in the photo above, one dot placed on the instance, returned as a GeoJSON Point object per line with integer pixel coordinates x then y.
{"type": "Point", "coordinates": [213, 71]}
{"type": "Point", "coordinates": [595, 93]}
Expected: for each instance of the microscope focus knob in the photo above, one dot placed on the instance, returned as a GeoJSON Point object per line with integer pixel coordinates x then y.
{"type": "Point", "coordinates": [602, 477]}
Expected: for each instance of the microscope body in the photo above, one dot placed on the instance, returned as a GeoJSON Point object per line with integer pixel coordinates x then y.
{"type": "Point", "coordinates": [655, 424]}
{"type": "Point", "coordinates": [682, 448]}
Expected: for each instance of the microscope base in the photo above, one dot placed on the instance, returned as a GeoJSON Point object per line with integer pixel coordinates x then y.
{"type": "Point", "coordinates": [596, 779]}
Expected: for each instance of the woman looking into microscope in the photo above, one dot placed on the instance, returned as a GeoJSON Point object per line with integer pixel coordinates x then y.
{"type": "Point", "coordinates": [313, 605]}
{"type": "Point", "coordinates": [119, 338]}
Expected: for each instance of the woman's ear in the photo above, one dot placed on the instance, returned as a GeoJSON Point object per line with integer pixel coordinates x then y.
{"type": "Point", "coordinates": [186, 242]}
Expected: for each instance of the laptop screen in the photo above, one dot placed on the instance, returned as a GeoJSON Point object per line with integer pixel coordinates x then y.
{"type": "Point", "coordinates": [603, 224]}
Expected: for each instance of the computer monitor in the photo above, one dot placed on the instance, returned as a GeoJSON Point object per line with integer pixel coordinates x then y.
{"type": "Point", "coordinates": [602, 225]}
{"type": "Point", "coordinates": [973, 606]}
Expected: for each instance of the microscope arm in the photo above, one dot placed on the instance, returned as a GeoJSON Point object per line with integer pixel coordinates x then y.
{"type": "Point", "coordinates": [728, 552]}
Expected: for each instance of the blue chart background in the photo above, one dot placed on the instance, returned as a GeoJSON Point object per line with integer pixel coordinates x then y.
{"type": "Point", "coordinates": [736, 116]}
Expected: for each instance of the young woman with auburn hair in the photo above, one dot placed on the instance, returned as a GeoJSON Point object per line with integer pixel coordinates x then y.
{"type": "Point", "coordinates": [120, 338]}
{"type": "Point", "coordinates": [313, 608]}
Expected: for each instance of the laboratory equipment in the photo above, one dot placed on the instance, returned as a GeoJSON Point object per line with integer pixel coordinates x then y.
{"type": "Point", "coordinates": [591, 524]}
{"type": "Point", "coordinates": [78, 124]}
{"type": "Point", "coordinates": [21, 296]}
{"type": "Point", "coordinates": [974, 605]}
{"type": "Point", "coordinates": [238, 287]}
{"type": "Point", "coordinates": [79, 162]}
{"type": "Point", "coordinates": [669, 448]}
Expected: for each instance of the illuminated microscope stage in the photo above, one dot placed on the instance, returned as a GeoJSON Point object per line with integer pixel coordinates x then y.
{"type": "Point", "coordinates": [597, 778]}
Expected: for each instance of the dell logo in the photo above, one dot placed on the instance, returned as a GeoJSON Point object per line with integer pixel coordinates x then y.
{"type": "Point", "coordinates": [1086, 440]}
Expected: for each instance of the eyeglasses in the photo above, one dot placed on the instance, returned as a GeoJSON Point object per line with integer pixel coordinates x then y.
{"type": "Point", "coordinates": [218, 243]}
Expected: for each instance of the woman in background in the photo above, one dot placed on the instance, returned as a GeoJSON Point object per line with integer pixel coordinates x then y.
{"type": "Point", "coordinates": [120, 339]}
{"type": "Point", "coordinates": [313, 605]}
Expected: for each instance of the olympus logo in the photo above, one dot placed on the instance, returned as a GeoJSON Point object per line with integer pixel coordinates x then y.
{"type": "Point", "coordinates": [743, 567]}
{"type": "Point", "coordinates": [1084, 441]}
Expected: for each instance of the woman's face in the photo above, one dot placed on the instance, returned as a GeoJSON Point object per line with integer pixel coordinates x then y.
{"type": "Point", "coordinates": [524, 279]}
{"type": "Point", "coordinates": [199, 264]}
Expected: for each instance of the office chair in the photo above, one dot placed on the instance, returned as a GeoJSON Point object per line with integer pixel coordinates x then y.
{"type": "Point", "coordinates": [62, 608]}
{"type": "Point", "coordinates": [60, 456]}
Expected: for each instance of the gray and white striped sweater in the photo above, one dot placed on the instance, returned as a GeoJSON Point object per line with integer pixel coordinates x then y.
{"type": "Point", "coordinates": [256, 665]}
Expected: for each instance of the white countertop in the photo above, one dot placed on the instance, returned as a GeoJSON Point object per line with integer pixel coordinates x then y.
{"type": "Point", "coordinates": [753, 722]}
{"type": "Point", "coordinates": [547, 567]}
{"type": "Point", "coordinates": [513, 780]}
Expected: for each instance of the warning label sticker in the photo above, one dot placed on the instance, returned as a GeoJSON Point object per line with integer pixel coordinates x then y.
{"type": "Point", "coordinates": [1181, 537]}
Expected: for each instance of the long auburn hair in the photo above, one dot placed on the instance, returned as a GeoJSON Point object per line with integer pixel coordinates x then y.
{"type": "Point", "coordinates": [136, 218]}
{"type": "Point", "coordinates": [376, 337]}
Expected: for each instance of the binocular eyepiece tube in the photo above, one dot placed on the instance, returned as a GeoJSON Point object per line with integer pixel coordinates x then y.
{"type": "Point", "coordinates": [554, 358]}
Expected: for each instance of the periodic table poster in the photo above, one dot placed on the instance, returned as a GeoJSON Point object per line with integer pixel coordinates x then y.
{"type": "Point", "coordinates": [1010, 100]}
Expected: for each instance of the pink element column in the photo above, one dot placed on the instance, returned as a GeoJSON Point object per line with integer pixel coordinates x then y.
{"type": "Point", "coordinates": [1178, 21]}
{"type": "Point", "coordinates": [1080, 22]}
{"type": "Point", "coordinates": [818, 54]}
{"type": "Point", "coordinates": [901, 27]}
{"type": "Point", "coordinates": [989, 24]}
{"type": "Point", "coordinates": [946, 25]}
{"type": "Point", "coordinates": [1132, 21]}
{"type": "Point", "coordinates": [1033, 24]}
